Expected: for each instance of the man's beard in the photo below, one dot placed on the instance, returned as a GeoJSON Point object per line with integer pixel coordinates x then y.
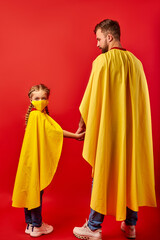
{"type": "Point", "coordinates": [105, 49]}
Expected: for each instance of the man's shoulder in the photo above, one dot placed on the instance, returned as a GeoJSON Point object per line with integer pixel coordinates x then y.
{"type": "Point", "coordinates": [134, 59]}
{"type": "Point", "coordinates": [110, 56]}
{"type": "Point", "coordinates": [132, 55]}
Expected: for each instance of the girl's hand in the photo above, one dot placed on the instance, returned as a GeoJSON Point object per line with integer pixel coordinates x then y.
{"type": "Point", "coordinates": [80, 136]}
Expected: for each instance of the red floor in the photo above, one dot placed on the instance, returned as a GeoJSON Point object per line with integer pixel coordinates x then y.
{"type": "Point", "coordinates": [64, 215]}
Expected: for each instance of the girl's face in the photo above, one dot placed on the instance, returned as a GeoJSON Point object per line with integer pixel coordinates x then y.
{"type": "Point", "coordinates": [38, 95]}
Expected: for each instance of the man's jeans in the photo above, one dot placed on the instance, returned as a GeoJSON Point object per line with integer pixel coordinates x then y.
{"type": "Point", "coordinates": [34, 216]}
{"type": "Point", "coordinates": [96, 219]}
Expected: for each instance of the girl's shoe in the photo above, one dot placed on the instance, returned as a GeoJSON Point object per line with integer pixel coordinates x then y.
{"type": "Point", "coordinates": [28, 228]}
{"type": "Point", "coordinates": [38, 231]}
{"type": "Point", "coordinates": [130, 230]}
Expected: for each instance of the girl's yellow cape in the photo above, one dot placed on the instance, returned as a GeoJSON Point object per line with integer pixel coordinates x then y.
{"type": "Point", "coordinates": [118, 140]}
{"type": "Point", "coordinates": [38, 161]}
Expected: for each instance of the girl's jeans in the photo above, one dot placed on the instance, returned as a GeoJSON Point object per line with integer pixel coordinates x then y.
{"type": "Point", "coordinates": [34, 216]}
{"type": "Point", "coordinates": [96, 219]}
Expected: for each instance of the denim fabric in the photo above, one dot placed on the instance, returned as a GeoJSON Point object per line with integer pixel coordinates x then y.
{"type": "Point", "coordinates": [95, 220]}
{"type": "Point", "coordinates": [34, 216]}
{"type": "Point", "coordinates": [132, 217]}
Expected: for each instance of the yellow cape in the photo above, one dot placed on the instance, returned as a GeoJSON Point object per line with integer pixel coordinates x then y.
{"type": "Point", "coordinates": [118, 140]}
{"type": "Point", "coordinates": [38, 161]}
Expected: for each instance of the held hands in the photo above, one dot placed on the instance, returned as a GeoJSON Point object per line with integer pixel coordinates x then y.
{"type": "Point", "coordinates": [81, 130]}
{"type": "Point", "coordinates": [80, 136]}
{"type": "Point", "coordinates": [77, 136]}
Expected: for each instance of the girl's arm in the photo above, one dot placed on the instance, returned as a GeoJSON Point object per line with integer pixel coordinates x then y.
{"type": "Point", "coordinates": [76, 136]}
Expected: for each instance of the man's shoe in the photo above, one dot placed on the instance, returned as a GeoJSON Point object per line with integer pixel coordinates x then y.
{"type": "Point", "coordinates": [85, 232]}
{"type": "Point", "coordinates": [130, 230]}
{"type": "Point", "coordinates": [38, 231]}
{"type": "Point", "coordinates": [28, 228]}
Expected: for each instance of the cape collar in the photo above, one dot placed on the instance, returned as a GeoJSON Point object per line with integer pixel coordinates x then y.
{"type": "Point", "coordinates": [118, 48]}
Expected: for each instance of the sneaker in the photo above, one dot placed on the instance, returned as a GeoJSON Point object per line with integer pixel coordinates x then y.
{"type": "Point", "coordinates": [130, 230]}
{"type": "Point", "coordinates": [28, 228]}
{"type": "Point", "coordinates": [85, 232]}
{"type": "Point", "coordinates": [38, 231]}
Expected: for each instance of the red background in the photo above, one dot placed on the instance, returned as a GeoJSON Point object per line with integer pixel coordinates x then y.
{"type": "Point", "coordinates": [52, 42]}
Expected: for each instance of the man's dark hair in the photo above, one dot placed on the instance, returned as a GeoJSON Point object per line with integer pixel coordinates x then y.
{"type": "Point", "coordinates": [110, 26]}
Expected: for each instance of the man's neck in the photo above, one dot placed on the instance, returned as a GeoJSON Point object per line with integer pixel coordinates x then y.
{"type": "Point", "coordinates": [114, 44]}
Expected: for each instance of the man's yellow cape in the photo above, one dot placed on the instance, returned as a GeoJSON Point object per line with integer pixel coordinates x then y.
{"type": "Point", "coordinates": [38, 161]}
{"type": "Point", "coordinates": [118, 140]}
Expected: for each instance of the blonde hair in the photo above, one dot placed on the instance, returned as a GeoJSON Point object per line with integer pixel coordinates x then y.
{"type": "Point", "coordinates": [36, 88]}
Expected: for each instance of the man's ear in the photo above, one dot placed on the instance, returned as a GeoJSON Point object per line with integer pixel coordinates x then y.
{"type": "Point", "coordinates": [109, 37]}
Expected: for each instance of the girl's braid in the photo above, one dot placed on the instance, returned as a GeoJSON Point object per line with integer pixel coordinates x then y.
{"type": "Point", "coordinates": [47, 111]}
{"type": "Point", "coordinates": [28, 112]}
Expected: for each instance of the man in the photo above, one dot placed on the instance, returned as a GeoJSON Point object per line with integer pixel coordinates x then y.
{"type": "Point", "coordinates": [115, 113]}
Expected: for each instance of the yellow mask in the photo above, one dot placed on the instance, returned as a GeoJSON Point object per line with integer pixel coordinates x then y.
{"type": "Point", "coordinates": [40, 105]}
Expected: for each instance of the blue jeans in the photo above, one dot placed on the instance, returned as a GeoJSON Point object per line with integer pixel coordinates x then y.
{"type": "Point", "coordinates": [34, 216]}
{"type": "Point", "coordinates": [96, 219]}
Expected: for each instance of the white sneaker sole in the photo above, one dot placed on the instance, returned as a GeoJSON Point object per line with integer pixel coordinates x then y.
{"type": "Point", "coordinates": [32, 234]}
{"type": "Point", "coordinates": [86, 237]}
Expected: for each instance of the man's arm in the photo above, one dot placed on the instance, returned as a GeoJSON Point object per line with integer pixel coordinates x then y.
{"type": "Point", "coordinates": [82, 126]}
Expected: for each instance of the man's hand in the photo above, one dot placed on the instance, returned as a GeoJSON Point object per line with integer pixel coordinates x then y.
{"type": "Point", "coordinates": [80, 130]}
{"type": "Point", "coordinates": [82, 126]}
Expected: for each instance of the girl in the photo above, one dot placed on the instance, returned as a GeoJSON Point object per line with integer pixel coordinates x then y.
{"type": "Point", "coordinates": [38, 161]}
